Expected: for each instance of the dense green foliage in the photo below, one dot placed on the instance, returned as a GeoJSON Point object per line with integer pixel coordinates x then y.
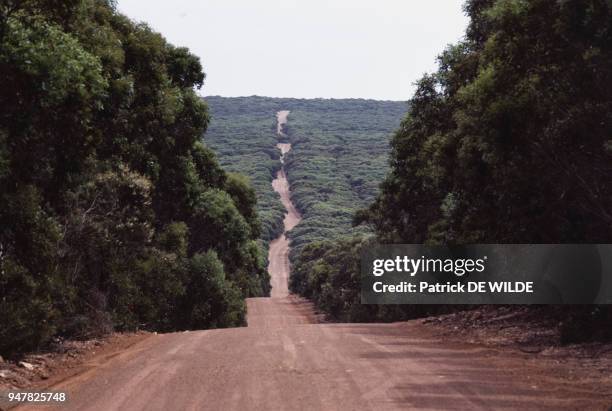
{"type": "Point", "coordinates": [330, 180]}
{"type": "Point", "coordinates": [113, 212]}
{"type": "Point", "coordinates": [242, 132]}
{"type": "Point", "coordinates": [339, 156]}
{"type": "Point", "coordinates": [329, 174]}
{"type": "Point", "coordinates": [330, 177]}
{"type": "Point", "coordinates": [510, 141]}
{"type": "Point", "coordinates": [329, 274]}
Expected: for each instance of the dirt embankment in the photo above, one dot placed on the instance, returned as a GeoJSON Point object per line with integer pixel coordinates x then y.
{"type": "Point", "coordinates": [63, 360]}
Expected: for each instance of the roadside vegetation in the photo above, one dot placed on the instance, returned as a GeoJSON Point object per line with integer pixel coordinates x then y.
{"type": "Point", "coordinates": [339, 155]}
{"type": "Point", "coordinates": [242, 132]}
{"type": "Point", "coordinates": [508, 142]}
{"type": "Point", "coordinates": [330, 176]}
{"type": "Point", "coordinates": [113, 213]}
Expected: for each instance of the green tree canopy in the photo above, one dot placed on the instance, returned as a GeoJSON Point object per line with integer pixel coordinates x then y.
{"type": "Point", "coordinates": [510, 140]}
{"type": "Point", "coordinates": [111, 206]}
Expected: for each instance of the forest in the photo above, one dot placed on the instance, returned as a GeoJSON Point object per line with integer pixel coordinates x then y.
{"type": "Point", "coordinates": [509, 141]}
{"type": "Point", "coordinates": [340, 152]}
{"type": "Point", "coordinates": [114, 214]}
{"type": "Point", "coordinates": [330, 177]}
{"type": "Point", "coordinates": [242, 132]}
{"type": "Point", "coordinates": [129, 202]}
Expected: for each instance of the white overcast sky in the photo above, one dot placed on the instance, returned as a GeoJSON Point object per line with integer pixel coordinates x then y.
{"type": "Point", "coordinates": [308, 48]}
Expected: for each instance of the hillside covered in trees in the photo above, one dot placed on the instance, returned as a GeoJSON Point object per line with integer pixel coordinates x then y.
{"type": "Point", "coordinates": [114, 214]}
{"type": "Point", "coordinates": [509, 141]}
{"type": "Point", "coordinates": [339, 155]}
{"type": "Point", "coordinates": [242, 132]}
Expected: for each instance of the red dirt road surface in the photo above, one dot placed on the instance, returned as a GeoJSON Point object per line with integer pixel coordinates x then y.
{"type": "Point", "coordinates": [278, 256]}
{"type": "Point", "coordinates": [281, 120]}
{"type": "Point", "coordinates": [285, 360]}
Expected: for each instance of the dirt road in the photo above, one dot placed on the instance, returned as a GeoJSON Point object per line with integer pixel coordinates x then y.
{"type": "Point", "coordinates": [284, 360]}
{"type": "Point", "coordinates": [278, 255]}
{"type": "Point", "coordinates": [281, 120]}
